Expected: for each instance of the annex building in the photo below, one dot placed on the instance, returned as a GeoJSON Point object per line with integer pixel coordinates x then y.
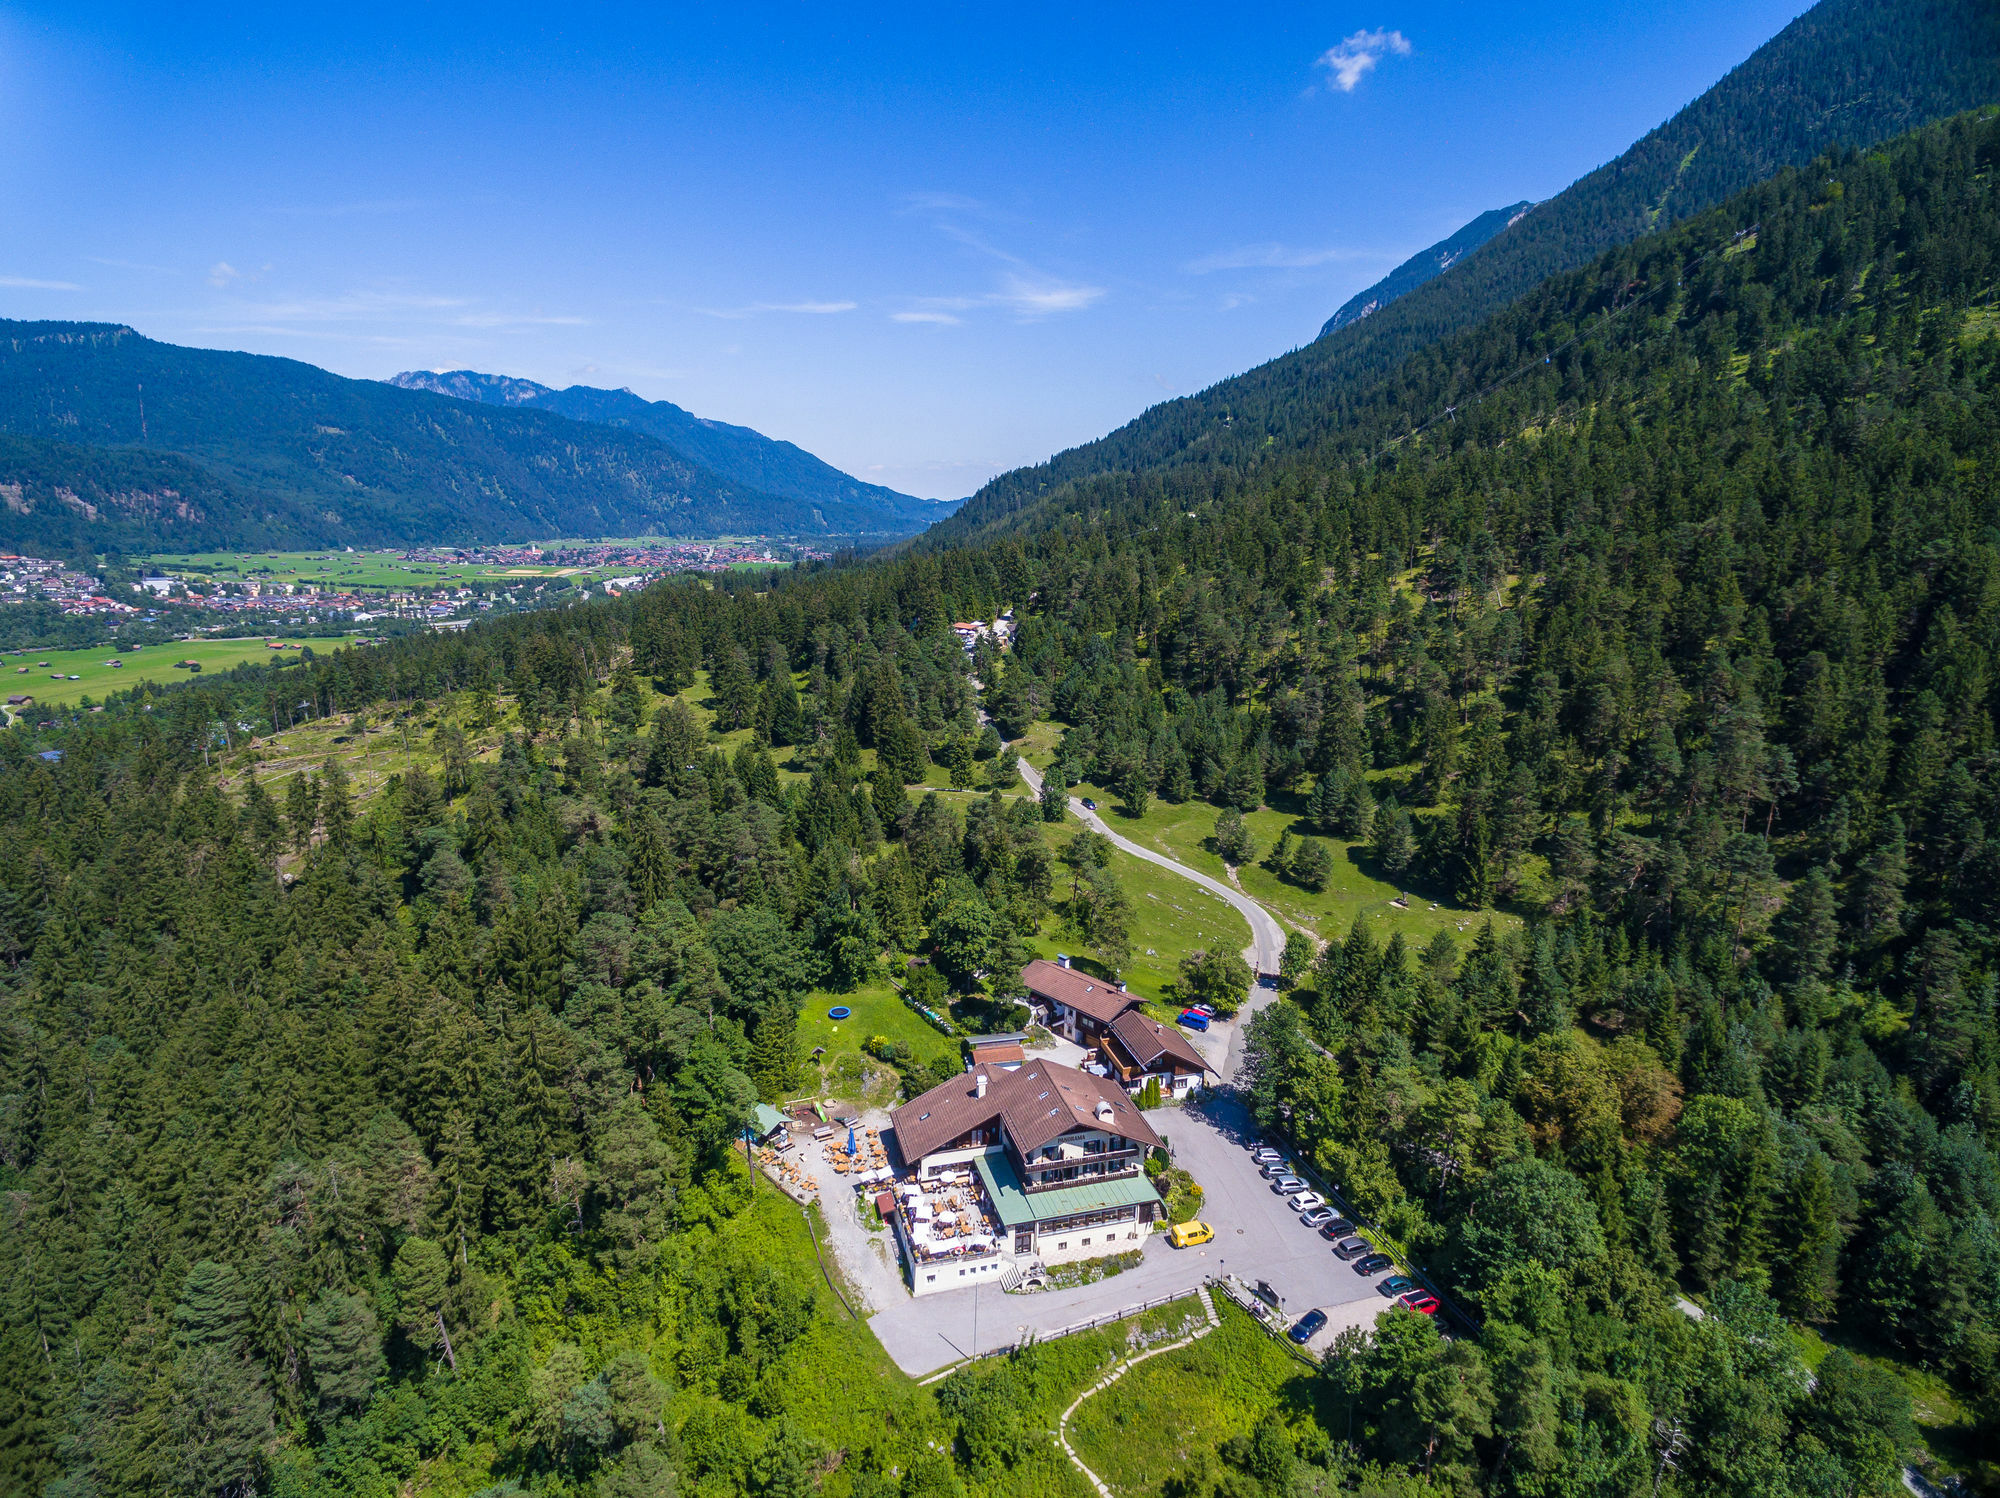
{"type": "Point", "coordinates": [1129, 1044]}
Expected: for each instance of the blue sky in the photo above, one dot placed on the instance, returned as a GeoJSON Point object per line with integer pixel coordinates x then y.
{"type": "Point", "coordinates": [928, 244]}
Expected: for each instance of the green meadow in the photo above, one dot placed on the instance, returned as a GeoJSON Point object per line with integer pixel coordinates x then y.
{"type": "Point", "coordinates": [24, 671]}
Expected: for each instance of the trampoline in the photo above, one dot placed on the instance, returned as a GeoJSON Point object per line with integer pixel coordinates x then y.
{"type": "Point", "coordinates": [839, 1011]}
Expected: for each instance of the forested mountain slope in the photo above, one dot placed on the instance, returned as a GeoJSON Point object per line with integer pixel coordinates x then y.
{"type": "Point", "coordinates": [1683, 640]}
{"type": "Point", "coordinates": [738, 454]}
{"type": "Point", "coordinates": [1847, 72]}
{"type": "Point", "coordinates": [1423, 266]}
{"type": "Point", "coordinates": [286, 452]}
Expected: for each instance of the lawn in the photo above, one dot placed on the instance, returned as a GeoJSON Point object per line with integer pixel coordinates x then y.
{"type": "Point", "coordinates": [1185, 832]}
{"type": "Point", "coordinates": [1171, 917]}
{"type": "Point", "coordinates": [1152, 1423]}
{"type": "Point", "coordinates": [350, 570]}
{"type": "Point", "coordinates": [878, 1010]}
{"type": "Point", "coordinates": [98, 678]}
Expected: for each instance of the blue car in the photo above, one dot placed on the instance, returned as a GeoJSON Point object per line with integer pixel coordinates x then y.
{"type": "Point", "coordinates": [1303, 1329]}
{"type": "Point", "coordinates": [1192, 1021]}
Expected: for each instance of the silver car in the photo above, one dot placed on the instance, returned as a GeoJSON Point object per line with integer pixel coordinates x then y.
{"type": "Point", "coordinates": [1287, 1185]}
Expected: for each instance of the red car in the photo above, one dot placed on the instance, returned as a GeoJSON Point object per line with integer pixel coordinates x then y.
{"type": "Point", "coordinates": [1421, 1301]}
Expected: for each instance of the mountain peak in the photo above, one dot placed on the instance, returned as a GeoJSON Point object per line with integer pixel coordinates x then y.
{"type": "Point", "coordinates": [739, 454]}
{"type": "Point", "coordinates": [1425, 264]}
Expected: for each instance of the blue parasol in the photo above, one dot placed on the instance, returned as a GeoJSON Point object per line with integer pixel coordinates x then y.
{"type": "Point", "coordinates": [850, 1139]}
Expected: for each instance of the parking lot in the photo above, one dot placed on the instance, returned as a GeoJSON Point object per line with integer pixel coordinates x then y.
{"type": "Point", "coordinates": [1257, 1236]}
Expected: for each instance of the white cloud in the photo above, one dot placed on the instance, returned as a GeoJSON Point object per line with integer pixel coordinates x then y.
{"type": "Point", "coordinates": [944, 202]}
{"type": "Point", "coordinates": [506, 320]}
{"type": "Point", "coordinates": [1273, 257]}
{"type": "Point", "coordinates": [757, 309]}
{"type": "Point", "coordinates": [29, 283]}
{"type": "Point", "coordinates": [1355, 57]}
{"type": "Point", "coordinates": [222, 273]}
{"type": "Point", "coordinates": [944, 318]}
{"type": "Point", "coordinates": [1040, 297]}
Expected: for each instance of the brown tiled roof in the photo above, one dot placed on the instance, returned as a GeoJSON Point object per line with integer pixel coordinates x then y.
{"type": "Point", "coordinates": [931, 1120]}
{"type": "Point", "coordinates": [1085, 994]}
{"type": "Point", "coordinates": [999, 1053]}
{"type": "Point", "coordinates": [1044, 1100]}
{"type": "Point", "coordinates": [1146, 1040]}
{"type": "Point", "coordinates": [1038, 1102]}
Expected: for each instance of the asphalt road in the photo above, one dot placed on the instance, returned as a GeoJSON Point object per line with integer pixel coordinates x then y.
{"type": "Point", "coordinates": [1267, 937]}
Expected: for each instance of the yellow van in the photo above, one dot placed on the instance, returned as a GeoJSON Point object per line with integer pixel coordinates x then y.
{"type": "Point", "coordinates": [1188, 1234]}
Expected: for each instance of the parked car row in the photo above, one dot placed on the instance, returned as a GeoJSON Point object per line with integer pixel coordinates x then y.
{"type": "Point", "coordinates": [1316, 1212]}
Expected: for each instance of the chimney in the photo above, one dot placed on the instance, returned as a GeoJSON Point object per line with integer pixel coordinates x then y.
{"type": "Point", "coordinates": [1062, 959]}
{"type": "Point", "coordinates": [1121, 985]}
{"type": "Point", "coordinates": [979, 1085]}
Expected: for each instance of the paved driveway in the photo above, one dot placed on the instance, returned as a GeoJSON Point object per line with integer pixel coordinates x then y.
{"type": "Point", "coordinates": [1258, 1237]}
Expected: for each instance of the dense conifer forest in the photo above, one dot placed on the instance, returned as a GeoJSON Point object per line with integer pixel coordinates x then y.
{"type": "Point", "coordinates": [349, 1142]}
{"type": "Point", "coordinates": [1846, 74]}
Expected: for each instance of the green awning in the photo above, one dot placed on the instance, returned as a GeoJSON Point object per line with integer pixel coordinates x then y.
{"type": "Point", "coordinates": [1015, 1206]}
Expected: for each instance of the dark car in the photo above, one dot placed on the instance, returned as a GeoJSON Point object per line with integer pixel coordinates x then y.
{"type": "Point", "coordinates": [1191, 1021]}
{"type": "Point", "coordinates": [1267, 980]}
{"type": "Point", "coordinates": [1353, 1248]}
{"type": "Point", "coordinates": [1088, 804]}
{"type": "Point", "coordinates": [1336, 1230]}
{"type": "Point", "coordinates": [1396, 1284]}
{"type": "Point", "coordinates": [1373, 1264]}
{"type": "Point", "coordinates": [1304, 1329]}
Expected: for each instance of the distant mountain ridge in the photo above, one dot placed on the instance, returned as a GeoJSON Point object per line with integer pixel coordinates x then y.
{"type": "Point", "coordinates": [112, 439]}
{"type": "Point", "coordinates": [737, 453]}
{"type": "Point", "coordinates": [1424, 265]}
{"type": "Point", "coordinates": [1847, 73]}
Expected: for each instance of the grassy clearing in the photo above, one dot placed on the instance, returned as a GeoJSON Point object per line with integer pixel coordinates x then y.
{"type": "Point", "coordinates": [1185, 833]}
{"type": "Point", "coordinates": [98, 678]}
{"type": "Point", "coordinates": [1171, 917]}
{"type": "Point", "coordinates": [1947, 1426]}
{"type": "Point", "coordinates": [1151, 1424]}
{"type": "Point", "coordinates": [878, 1010]}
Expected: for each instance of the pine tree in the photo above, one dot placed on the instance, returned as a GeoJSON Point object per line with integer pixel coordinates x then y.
{"type": "Point", "coordinates": [652, 870]}
{"type": "Point", "coordinates": [1878, 886]}
{"type": "Point", "coordinates": [1808, 1248]}
{"type": "Point", "coordinates": [422, 1277]}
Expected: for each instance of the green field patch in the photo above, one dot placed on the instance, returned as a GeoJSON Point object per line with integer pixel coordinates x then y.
{"type": "Point", "coordinates": [1185, 833]}
{"type": "Point", "coordinates": [98, 678]}
{"type": "Point", "coordinates": [1171, 1412]}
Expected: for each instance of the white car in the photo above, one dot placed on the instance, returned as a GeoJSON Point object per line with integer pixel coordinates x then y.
{"type": "Point", "coordinates": [1305, 1201]}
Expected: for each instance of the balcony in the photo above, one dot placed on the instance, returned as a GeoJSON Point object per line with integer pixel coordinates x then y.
{"type": "Point", "coordinates": [1129, 1168]}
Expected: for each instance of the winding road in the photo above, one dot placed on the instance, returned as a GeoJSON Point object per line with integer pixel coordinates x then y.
{"type": "Point", "coordinates": [1267, 937]}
